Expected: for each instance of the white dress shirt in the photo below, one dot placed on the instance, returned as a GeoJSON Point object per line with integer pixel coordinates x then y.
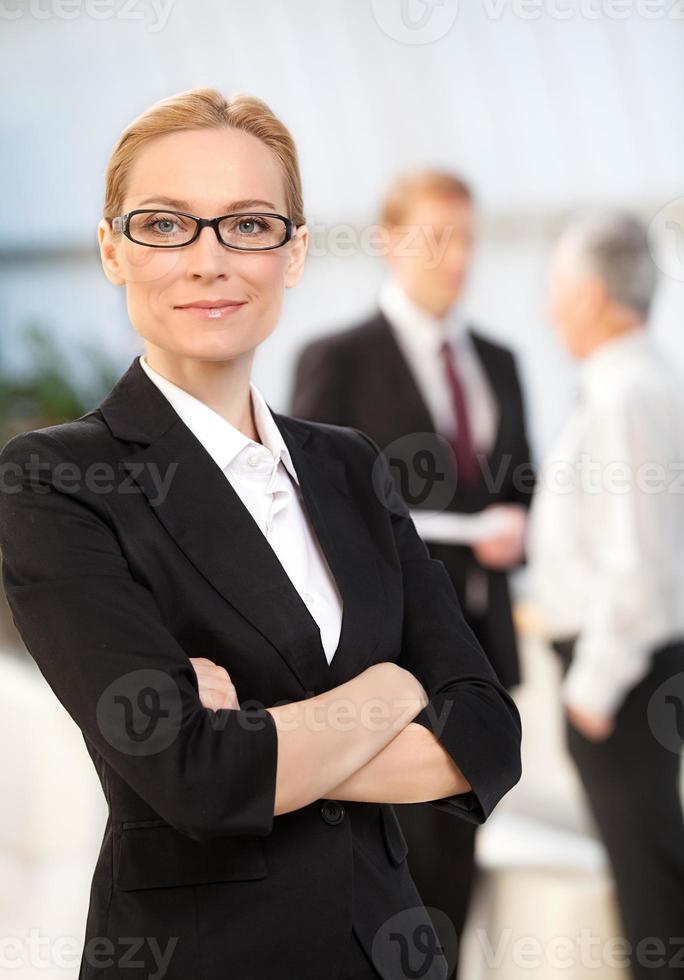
{"type": "Point", "coordinates": [420, 335]}
{"type": "Point", "coordinates": [606, 532]}
{"type": "Point", "coordinates": [265, 479]}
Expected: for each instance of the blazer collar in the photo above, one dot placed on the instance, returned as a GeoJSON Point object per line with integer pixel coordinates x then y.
{"type": "Point", "coordinates": [420, 331]}
{"type": "Point", "coordinates": [137, 411]}
{"type": "Point", "coordinates": [207, 519]}
{"type": "Point", "coordinates": [222, 440]}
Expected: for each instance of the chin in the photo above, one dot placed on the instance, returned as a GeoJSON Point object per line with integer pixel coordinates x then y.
{"type": "Point", "coordinates": [221, 352]}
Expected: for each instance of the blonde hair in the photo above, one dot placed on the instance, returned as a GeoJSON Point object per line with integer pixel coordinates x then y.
{"type": "Point", "coordinates": [204, 108]}
{"type": "Point", "coordinates": [407, 186]}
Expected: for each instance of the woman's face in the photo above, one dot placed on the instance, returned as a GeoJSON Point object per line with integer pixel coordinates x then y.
{"type": "Point", "coordinates": [206, 171]}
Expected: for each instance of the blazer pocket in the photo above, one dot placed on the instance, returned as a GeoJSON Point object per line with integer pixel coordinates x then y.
{"type": "Point", "coordinates": [394, 835]}
{"type": "Point", "coordinates": [153, 854]}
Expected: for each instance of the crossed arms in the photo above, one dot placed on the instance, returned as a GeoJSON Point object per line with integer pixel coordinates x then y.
{"type": "Point", "coordinates": [357, 741]}
{"type": "Point", "coordinates": [94, 629]}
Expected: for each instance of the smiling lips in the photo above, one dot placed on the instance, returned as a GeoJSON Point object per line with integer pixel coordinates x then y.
{"type": "Point", "coordinates": [211, 308]}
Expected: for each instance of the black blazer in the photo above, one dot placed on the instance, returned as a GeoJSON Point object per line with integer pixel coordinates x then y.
{"type": "Point", "coordinates": [125, 552]}
{"type": "Point", "coordinates": [359, 377]}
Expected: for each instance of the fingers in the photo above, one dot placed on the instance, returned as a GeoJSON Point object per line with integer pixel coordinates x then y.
{"type": "Point", "coordinates": [204, 662]}
{"type": "Point", "coordinates": [217, 696]}
{"type": "Point", "coordinates": [210, 698]}
{"type": "Point", "coordinates": [213, 671]}
{"type": "Point", "coordinates": [216, 690]}
{"type": "Point", "coordinates": [207, 668]}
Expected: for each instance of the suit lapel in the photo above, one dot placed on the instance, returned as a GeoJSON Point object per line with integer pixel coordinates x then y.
{"type": "Point", "coordinates": [208, 520]}
{"type": "Point", "coordinates": [345, 540]}
{"type": "Point", "coordinates": [401, 379]}
{"type": "Point", "coordinates": [413, 406]}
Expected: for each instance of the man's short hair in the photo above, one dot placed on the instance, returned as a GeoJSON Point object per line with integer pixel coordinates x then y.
{"type": "Point", "coordinates": [614, 245]}
{"type": "Point", "coordinates": [407, 186]}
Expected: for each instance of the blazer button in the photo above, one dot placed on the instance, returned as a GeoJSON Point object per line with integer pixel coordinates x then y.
{"type": "Point", "coordinates": [332, 812]}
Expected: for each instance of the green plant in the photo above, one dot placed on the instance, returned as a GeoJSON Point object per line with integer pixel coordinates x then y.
{"type": "Point", "coordinates": [47, 393]}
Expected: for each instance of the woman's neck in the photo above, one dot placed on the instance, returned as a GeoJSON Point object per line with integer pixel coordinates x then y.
{"type": "Point", "coordinates": [222, 385]}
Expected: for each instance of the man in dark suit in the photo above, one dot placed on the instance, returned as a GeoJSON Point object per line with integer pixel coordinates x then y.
{"type": "Point", "coordinates": [445, 404]}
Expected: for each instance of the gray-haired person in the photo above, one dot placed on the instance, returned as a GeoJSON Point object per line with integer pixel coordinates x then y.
{"type": "Point", "coordinates": [606, 541]}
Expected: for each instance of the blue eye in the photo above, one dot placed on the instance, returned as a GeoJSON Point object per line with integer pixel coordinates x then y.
{"type": "Point", "coordinates": [261, 225]}
{"type": "Point", "coordinates": [160, 221]}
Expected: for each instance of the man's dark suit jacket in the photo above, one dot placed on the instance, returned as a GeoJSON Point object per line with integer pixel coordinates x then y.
{"type": "Point", "coordinates": [126, 551]}
{"type": "Point", "coordinates": [359, 377]}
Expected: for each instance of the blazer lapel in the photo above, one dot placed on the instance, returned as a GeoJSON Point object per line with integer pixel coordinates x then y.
{"type": "Point", "coordinates": [208, 520]}
{"type": "Point", "coordinates": [346, 543]}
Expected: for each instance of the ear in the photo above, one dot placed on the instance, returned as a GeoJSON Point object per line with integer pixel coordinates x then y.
{"type": "Point", "coordinates": [596, 296]}
{"type": "Point", "coordinates": [108, 254]}
{"type": "Point", "coordinates": [295, 262]}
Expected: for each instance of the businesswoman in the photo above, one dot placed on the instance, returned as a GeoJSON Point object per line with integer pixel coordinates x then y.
{"type": "Point", "coordinates": [234, 605]}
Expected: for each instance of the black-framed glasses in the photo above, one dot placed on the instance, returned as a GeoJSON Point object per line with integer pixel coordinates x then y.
{"type": "Point", "coordinates": [248, 231]}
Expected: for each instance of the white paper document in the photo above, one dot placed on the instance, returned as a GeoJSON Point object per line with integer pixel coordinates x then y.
{"type": "Point", "coordinates": [446, 527]}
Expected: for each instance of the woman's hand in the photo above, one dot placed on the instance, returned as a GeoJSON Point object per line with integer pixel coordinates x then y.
{"type": "Point", "coordinates": [402, 684]}
{"type": "Point", "coordinates": [215, 686]}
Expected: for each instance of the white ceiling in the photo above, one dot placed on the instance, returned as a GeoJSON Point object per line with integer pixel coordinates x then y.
{"type": "Point", "coordinates": [542, 114]}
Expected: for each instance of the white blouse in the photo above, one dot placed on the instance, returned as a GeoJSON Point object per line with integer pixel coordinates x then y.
{"type": "Point", "coordinates": [264, 477]}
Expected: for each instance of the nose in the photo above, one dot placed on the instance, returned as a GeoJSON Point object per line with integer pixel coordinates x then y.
{"type": "Point", "coordinates": [207, 257]}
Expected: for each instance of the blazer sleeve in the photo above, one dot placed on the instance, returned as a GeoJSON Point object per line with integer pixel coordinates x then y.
{"type": "Point", "coordinates": [469, 711]}
{"type": "Point", "coordinates": [99, 639]}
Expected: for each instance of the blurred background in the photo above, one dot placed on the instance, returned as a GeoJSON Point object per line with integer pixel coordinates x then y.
{"type": "Point", "coordinates": [543, 108]}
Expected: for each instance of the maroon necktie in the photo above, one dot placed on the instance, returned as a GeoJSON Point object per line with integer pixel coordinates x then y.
{"type": "Point", "coordinates": [462, 443]}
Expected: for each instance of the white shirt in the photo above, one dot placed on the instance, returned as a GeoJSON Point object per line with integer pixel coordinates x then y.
{"type": "Point", "coordinates": [606, 532]}
{"type": "Point", "coordinates": [265, 479]}
{"type": "Point", "coordinates": [420, 335]}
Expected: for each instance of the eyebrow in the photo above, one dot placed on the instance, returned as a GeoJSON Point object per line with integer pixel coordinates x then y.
{"type": "Point", "coordinates": [250, 202]}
